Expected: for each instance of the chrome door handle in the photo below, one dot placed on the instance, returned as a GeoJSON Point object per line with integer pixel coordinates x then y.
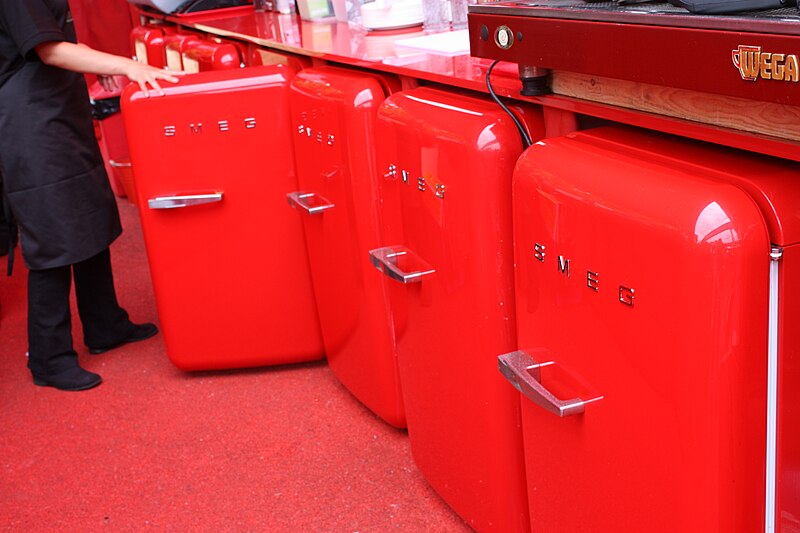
{"type": "Point", "coordinates": [188, 200]}
{"type": "Point", "coordinates": [385, 260]}
{"type": "Point", "coordinates": [523, 372]}
{"type": "Point", "coordinates": [119, 164]}
{"type": "Point", "coordinates": [301, 200]}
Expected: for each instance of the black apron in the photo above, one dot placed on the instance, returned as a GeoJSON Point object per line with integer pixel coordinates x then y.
{"type": "Point", "coordinates": [54, 178]}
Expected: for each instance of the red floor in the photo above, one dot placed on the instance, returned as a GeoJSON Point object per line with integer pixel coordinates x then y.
{"type": "Point", "coordinates": [278, 449]}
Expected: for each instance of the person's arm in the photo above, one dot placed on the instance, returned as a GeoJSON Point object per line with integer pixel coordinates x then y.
{"type": "Point", "coordinates": [81, 58]}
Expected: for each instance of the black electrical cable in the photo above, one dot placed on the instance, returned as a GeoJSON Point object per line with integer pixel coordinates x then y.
{"type": "Point", "coordinates": [526, 140]}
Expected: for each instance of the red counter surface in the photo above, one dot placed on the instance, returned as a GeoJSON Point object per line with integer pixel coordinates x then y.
{"type": "Point", "coordinates": [339, 43]}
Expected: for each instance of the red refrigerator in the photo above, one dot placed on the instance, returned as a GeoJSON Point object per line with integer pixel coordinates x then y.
{"type": "Point", "coordinates": [203, 56]}
{"type": "Point", "coordinates": [446, 162]}
{"type": "Point", "coordinates": [213, 163]}
{"type": "Point", "coordinates": [148, 45]}
{"type": "Point", "coordinates": [334, 112]}
{"type": "Point", "coordinates": [110, 133]}
{"type": "Point", "coordinates": [657, 282]}
{"type": "Point", "coordinates": [175, 45]}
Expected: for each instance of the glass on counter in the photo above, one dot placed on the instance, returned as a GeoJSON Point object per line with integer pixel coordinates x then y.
{"type": "Point", "coordinates": [286, 7]}
{"type": "Point", "coordinates": [435, 15]}
{"type": "Point", "coordinates": [458, 9]}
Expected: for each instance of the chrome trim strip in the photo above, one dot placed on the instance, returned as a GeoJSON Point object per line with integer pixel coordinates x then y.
{"type": "Point", "coordinates": [772, 389]}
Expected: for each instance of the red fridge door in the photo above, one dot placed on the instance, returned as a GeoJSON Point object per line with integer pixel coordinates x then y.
{"type": "Point", "coordinates": [446, 162]}
{"type": "Point", "coordinates": [643, 279]}
{"type": "Point", "coordinates": [213, 163]}
{"type": "Point", "coordinates": [110, 133]}
{"type": "Point", "coordinates": [334, 112]}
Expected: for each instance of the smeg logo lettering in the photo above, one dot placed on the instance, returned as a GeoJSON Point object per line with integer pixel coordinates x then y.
{"type": "Point", "coordinates": [196, 128]}
{"type": "Point", "coordinates": [625, 294]}
{"type": "Point", "coordinates": [421, 182]}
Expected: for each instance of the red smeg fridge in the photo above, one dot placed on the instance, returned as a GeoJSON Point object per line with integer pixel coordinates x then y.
{"type": "Point", "coordinates": [334, 112]}
{"type": "Point", "coordinates": [148, 44]}
{"type": "Point", "coordinates": [213, 163]}
{"type": "Point", "coordinates": [657, 284]}
{"type": "Point", "coordinates": [446, 162]}
{"type": "Point", "coordinates": [174, 47]}
{"type": "Point", "coordinates": [110, 133]}
{"type": "Point", "coordinates": [203, 56]}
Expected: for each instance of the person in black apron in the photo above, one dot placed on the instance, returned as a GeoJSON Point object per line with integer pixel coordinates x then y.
{"type": "Point", "coordinates": [56, 186]}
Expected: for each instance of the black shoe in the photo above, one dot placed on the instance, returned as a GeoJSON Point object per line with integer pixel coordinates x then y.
{"type": "Point", "coordinates": [140, 332]}
{"type": "Point", "coordinates": [73, 379]}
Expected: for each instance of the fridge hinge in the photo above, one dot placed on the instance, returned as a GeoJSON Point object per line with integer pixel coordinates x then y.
{"type": "Point", "coordinates": [775, 253]}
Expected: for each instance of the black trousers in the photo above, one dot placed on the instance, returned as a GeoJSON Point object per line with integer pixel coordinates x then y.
{"type": "Point", "coordinates": [105, 323]}
{"type": "Point", "coordinates": [8, 231]}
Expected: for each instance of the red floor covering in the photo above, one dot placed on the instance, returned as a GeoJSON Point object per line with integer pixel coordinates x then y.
{"type": "Point", "coordinates": [155, 449]}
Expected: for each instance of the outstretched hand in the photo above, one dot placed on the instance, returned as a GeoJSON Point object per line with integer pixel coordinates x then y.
{"type": "Point", "coordinates": [81, 58]}
{"type": "Point", "coordinates": [145, 75]}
